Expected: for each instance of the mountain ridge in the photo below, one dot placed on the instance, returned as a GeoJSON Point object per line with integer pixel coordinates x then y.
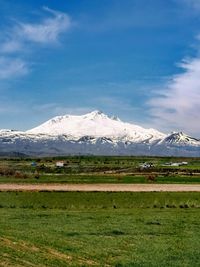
{"type": "Point", "coordinates": [96, 124]}
{"type": "Point", "coordinates": [96, 133]}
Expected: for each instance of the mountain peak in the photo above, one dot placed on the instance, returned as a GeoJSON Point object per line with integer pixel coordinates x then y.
{"type": "Point", "coordinates": [100, 114]}
{"type": "Point", "coordinates": [95, 114]}
{"type": "Point", "coordinates": [180, 137]}
{"type": "Point", "coordinates": [96, 124]}
{"type": "Point", "coordinates": [97, 133]}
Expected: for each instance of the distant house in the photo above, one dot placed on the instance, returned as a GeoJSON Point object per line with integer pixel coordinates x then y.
{"type": "Point", "coordinates": [60, 164]}
{"type": "Point", "coordinates": [146, 165]}
{"type": "Point", "coordinates": [175, 164]}
{"type": "Point", "coordinates": [33, 164]}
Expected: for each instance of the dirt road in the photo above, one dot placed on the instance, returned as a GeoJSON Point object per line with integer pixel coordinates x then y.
{"type": "Point", "coordinates": [103, 187]}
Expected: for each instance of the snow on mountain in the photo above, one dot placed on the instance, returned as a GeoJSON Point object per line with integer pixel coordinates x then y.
{"type": "Point", "coordinates": [95, 133]}
{"type": "Point", "coordinates": [96, 124]}
{"type": "Point", "coordinates": [181, 139]}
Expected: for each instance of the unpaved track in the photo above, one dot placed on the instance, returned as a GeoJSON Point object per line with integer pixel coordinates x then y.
{"type": "Point", "coordinates": [103, 187]}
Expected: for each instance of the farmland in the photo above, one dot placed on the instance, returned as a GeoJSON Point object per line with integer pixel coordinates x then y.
{"type": "Point", "coordinates": [99, 170]}
{"type": "Point", "coordinates": [99, 229]}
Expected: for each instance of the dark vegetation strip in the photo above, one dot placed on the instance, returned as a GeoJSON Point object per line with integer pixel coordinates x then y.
{"type": "Point", "coordinates": [99, 200]}
{"type": "Point", "coordinates": [93, 179]}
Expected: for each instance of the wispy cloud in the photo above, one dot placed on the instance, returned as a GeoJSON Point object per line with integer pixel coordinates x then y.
{"type": "Point", "coordinates": [47, 31]}
{"type": "Point", "coordinates": [178, 105]}
{"type": "Point", "coordinates": [11, 46]}
{"type": "Point", "coordinates": [23, 35]}
{"type": "Point", "coordinates": [10, 67]}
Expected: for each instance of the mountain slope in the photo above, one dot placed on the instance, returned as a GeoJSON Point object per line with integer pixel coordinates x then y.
{"type": "Point", "coordinates": [181, 139]}
{"type": "Point", "coordinates": [97, 134]}
{"type": "Point", "coordinates": [96, 124]}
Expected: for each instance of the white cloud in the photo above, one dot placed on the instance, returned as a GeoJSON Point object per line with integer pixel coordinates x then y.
{"type": "Point", "coordinates": [47, 31]}
{"type": "Point", "coordinates": [10, 68]}
{"type": "Point", "coordinates": [11, 46]}
{"type": "Point", "coordinates": [22, 36]}
{"type": "Point", "coordinates": [178, 106]}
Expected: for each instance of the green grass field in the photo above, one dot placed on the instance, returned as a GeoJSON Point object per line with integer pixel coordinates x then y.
{"type": "Point", "coordinates": [99, 229]}
{"type": "Point", "coordinates": [94, 178]}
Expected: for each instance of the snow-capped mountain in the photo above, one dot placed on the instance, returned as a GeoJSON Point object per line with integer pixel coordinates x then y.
{"type": "Point", "coordinates": [95, 133]}
{"type": "Point", "coordinates": [96, 124]}
{"type": "Point", "coordinates": [181, 139]}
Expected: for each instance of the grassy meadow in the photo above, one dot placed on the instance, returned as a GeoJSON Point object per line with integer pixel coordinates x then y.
{"type": "Point", "coordinates": [99, 229]}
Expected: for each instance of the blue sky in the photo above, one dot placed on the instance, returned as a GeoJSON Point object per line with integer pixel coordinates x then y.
{"type": "Point", "coordinates": [137, 59]}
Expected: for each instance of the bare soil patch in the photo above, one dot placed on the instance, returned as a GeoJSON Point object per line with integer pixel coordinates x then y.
{"type": "Point", "coordinates": [103, 187]}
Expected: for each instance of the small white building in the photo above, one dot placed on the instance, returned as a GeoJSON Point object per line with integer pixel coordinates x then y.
{"type": "Point", "coordinates": [146, 165]}
{"type": "Point", "coordinates": [175, 164]}
{"type": "Point", "coordinates": [60, 164]}
{"type": "Point", "coordinates": [33, 164]}
{"type": "Point", "coordinates": [184, 163]}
